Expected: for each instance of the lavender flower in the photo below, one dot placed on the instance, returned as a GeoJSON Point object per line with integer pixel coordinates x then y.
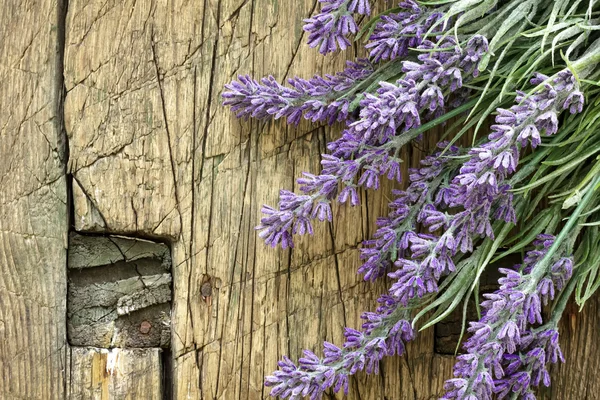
{"type": "Point", "coordinates": [504, 354]}
{"type": "Point", "coordinates": [384, 333]}
{"type": "Point", "coordinates": [395, 234]}
{"type": "Point", "coordinates": [527, 368]}
{"type": "Point", "coordinates": [482, 182]}
{"type": "Point", "coordinates": [393, 108]}
{"type": "Point", "coordinates": [332, 26]}
{"type": "Point", "coordinates": [317, 99]}
{"type": "Point", "coordinates": [431, 256]}
{"type": "Point", "coordinates": [397, 32]}
{"type": "Point", "coordinates": [295, 211]}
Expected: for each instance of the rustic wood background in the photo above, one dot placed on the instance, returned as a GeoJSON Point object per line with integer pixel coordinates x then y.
{"type": "Point", "coordinates": [111, 123]}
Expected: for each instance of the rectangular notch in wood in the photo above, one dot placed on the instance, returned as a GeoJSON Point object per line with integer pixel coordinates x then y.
{"type": "Point", "coordinates": [119, 292]}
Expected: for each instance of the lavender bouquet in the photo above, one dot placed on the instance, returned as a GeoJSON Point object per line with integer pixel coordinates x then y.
{"type": "Point", "coordinates": [531, 66]}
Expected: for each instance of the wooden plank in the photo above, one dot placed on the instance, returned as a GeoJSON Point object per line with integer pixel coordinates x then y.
{"type": "Point", "coordinates": [154, 154]}
{"type": "Point", "coordinates": [117, 374]}
{"type": "Point", "coordinates": [33, 203]}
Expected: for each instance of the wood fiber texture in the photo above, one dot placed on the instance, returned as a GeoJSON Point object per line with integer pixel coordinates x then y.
{"type": "Point", "coordinates": [118, 374]}
{"type": "Point", "coordinates": [33, 204]}
{"type": "Point", "coordinates": [153, 154]}
{"type": "Point", "coordinates": [119, 292]}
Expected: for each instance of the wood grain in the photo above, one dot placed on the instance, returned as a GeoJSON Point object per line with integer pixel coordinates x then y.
{"type": "Point", "coordinates": [119, 292]}
{"type": "Point", "coordinates": [117, 374]}
{"type": "Point", "coordinates": [154, 154]}
{"type": "Point", "coordinates": [33, 204]}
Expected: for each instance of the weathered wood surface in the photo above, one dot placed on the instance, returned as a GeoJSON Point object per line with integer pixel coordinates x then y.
{"type": "Point", "coordinates": [117, 374]}
{"type": "Point", "coordinates": [33, 204]}
{"type": "Point", "coordinates": [154, 155]}
{"type": "Point", "coordinates": [119, 292]}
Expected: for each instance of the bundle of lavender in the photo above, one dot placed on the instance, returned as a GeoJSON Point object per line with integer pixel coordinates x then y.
{"type": "Point", "coordinates": [532, 64]}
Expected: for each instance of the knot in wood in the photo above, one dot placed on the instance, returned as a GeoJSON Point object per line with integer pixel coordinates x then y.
{"type": "Point", "coordinates": [206, 289]}
{"type": "Point", "coordinates": [145, 327]}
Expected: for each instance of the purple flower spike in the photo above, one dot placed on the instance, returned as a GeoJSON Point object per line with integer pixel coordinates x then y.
{"type": "Point", "coordinates": [316, 99]}
{"type": "Point", "coordinates": [481, 186]}
{"type": "Point", "coordinates": [396, 33]}
{"type": "Point", "coordinates": [506, 355]}
{"type": "Point", "coordinates": [385, 335]}
{"type": "Point", "coordinates": [393, 108]}
{"type": "Point", "coordinates": [396, 238]}
{"type": "Point", "coordinates": [331, 27]}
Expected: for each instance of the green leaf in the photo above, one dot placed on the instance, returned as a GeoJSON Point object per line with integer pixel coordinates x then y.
{"type": "Point", "coordinates": [490, 28]}
{"type": "Point", "coordinates": [595, 223]}
{"type": "Point", "coordinates": [589, 27]}
{"type": "Point", "coordinates": [593, 210]}
{"type": "Point", "coordinates": [564, 35]}
{"type": "Point", "coordinates": [558, 172]}
{"type": "Point", "coordinates": [537, 228]}
{"type": "Point", "coordinates": [443, 312]}
{"type": "Point", "coordinates": [590, 58]}
{"type": "Point", "coordinates": [516, 17]}
{"type": "Point", "coordinates": [591, 83]}
{"type": "Point", "coordinates": [576, 43]}
{"type": "Point", "coordinates": [545, 32]}
{"type": "Point", "coordinates": [555, 10]}
{"type": "Point", "coordinates": [474, 14]}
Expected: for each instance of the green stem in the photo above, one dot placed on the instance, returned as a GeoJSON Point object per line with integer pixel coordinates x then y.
{"type": "Point", "coordinates": [591, 59]}
{"type": "Point", "coordinates": [541, 268]}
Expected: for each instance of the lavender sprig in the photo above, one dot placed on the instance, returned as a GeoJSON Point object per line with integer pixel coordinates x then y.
{"type": "Point", "coordinates": [394, 108]}
{"type": "Point", "coordinates": [295, 211]}
{"type": "Point", "coordinates": [482, 181]}
{"type": "Point", "coordinates": [396, 33]}
{"type": "Point", "coordinates": [384, 333]}
{"type": "Point", "coordinates": [332, 26]}
{"type": "Point", "coordinates": [419, 95]}
{"type": "Point", "coordinates": [322, 98]}
{"type": "Point", "coordinates": [506, 327]}
{"type": "Point", "coordinates": [527, 367]}
{"type": "Point", "coordinates": [397, 232]}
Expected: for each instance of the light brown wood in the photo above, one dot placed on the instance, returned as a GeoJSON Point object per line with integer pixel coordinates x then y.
{"type": "Point", "coordinates": [153, 154]}
{"type": "Point", "coordinates": [33, 204]}
{"type": "Point", "coordinates": [578, 378]}
{"type": "Point", "coordinates": [117, 374]}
